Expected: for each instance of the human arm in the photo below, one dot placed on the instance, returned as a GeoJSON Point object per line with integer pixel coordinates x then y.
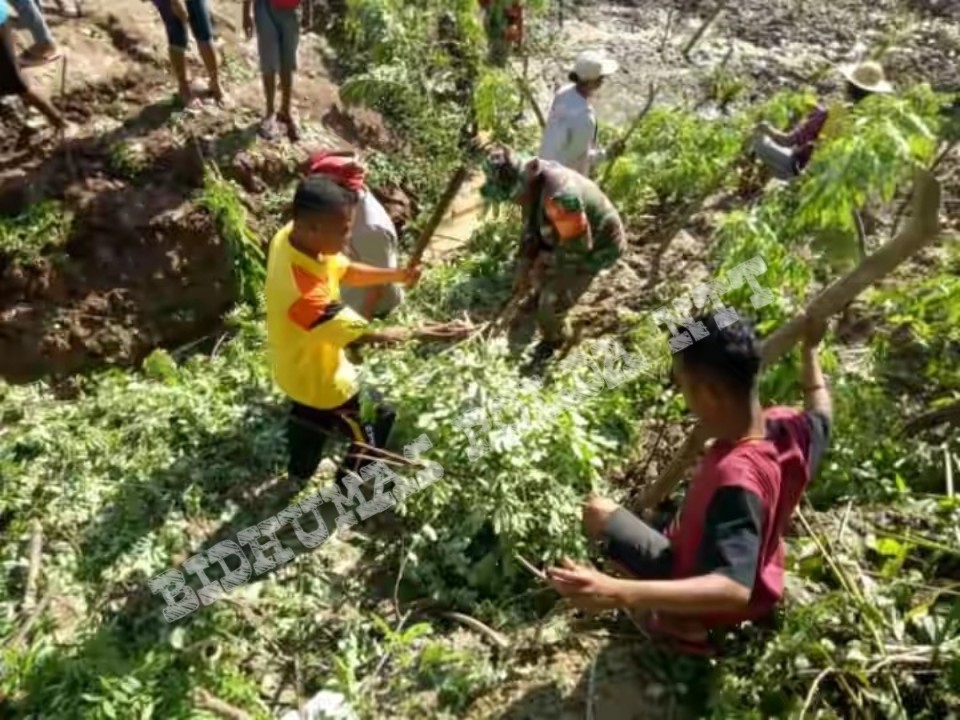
{"type": "Point", "coordinates": [766, 129]}
{"type": "Point", "coordinates": [816, 396]}
{"type": "Point", "coordinates": [397, 335]}
{"type": "Point", "coordinates": [384, 336]}
{"type": "Point", "coordinates": [727, 561]}
{"type": "Point", "coordinates": [248, 18]}
{"type": "Point", "coordinates": [802, 134]}
{"type": "Point", "coordinates": [361, 275]}
{"type": "Point", "coordinates": [688, 596]}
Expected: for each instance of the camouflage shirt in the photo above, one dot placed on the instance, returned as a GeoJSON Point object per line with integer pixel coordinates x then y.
{"type": "Point", "coordinates": [567, 214]}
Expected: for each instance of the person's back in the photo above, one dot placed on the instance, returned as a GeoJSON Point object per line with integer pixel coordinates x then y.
{"type": "Point", "coordinates": [373, 242]}
{"type": "Point", "coordinates": [577, 218]}
{"type": "Point", "coordinates": [570, 132]}
{"type": "Point", "coordinates": [570, 135]}
{"type": "Point", "coordinates": [307, 329]}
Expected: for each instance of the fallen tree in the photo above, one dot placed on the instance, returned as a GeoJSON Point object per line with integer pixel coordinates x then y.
{"type": "Point", "coordinates": [922, 230]}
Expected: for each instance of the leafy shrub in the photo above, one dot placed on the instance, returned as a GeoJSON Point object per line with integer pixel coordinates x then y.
{"type": "Point", "coordinates": [27, 237]}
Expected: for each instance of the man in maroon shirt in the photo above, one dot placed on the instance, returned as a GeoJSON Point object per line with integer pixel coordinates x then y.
{"type": "Point", "coordinates": [721, 561]}
{"type": "Point", "coordinates": [787, 154]}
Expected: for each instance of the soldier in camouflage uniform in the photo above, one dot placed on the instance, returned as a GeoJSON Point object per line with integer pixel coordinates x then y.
{"type": "Point", "coordinates": [571, 231]}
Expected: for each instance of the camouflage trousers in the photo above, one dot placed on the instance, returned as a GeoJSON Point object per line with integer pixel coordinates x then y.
{"type": "Point", "coordinates": [561, 288]}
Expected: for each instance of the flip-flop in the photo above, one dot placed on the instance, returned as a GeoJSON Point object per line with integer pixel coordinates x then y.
{"type": "Point", "coordinates": [32, 61]}
{"type": "Point", "coordinates": [191, 106]}
{"type": "Point", "coordinates": [293, 131]}
{"type": "Point", "coordinates": [268, 129]}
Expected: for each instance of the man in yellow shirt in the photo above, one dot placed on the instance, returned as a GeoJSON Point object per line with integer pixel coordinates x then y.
{"type": "Point", "coordinates": [308, 327]}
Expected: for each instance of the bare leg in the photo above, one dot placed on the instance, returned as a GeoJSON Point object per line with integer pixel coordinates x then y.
{"type": "Point", "coordinates": [209, 55]}
{"type": "Point", "coordinates": [286, 92]}
{"type": "Point", "coordinates": [268, 126]}
{"type": "Point", "coordinates": [286, 105]}
{"type": "Point", "coordinates": [178, 62]}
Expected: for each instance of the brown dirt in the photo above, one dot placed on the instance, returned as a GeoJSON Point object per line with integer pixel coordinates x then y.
{"type": "Point", "coordinates": [142, 267]}
{"type": "Point", "coordinates": [553, 680]}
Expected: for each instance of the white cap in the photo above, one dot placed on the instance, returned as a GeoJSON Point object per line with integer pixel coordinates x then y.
{"type": "Point", "coordinates": [592, 65]}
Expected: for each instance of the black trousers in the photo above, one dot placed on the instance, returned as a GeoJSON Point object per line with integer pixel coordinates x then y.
{"type": "Point", "coordinates": [309, 430]}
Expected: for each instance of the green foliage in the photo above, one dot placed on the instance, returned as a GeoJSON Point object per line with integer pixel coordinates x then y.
{"type": "Point", "coordinates": [26, 238]}
{"type": "Point", "coordinates": [922, 331]}
{"type": "Point", "coordinates": [878, 145]}
{"type": "Point", "coordinates": [674, 159]}
{"type": "Point", "coordinates": [144, 467]}
{"type": "Point", "coordinates": [221, 199]}
{"type": "Point", "coordinates": [428, 87]}
{"type": "Point", "coordinates": [825, 639]}
{"type": "Point", "coordinates": [874, 150]}
{"type": "Point", "coordinates": [128, 159]}
{"type": "Point", "coordinates": [380, 667]}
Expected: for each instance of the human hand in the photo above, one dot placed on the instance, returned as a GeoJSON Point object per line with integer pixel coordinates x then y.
{"type": "Point", "coordinates": [411, 275]}
{"type": "Point", "coordinates": [813, 331]}
{"type": "Point", "coordinates": [583, 584]}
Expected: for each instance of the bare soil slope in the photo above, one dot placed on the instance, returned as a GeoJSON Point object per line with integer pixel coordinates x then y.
{"type": "Point", "coordinates": [140, 265]}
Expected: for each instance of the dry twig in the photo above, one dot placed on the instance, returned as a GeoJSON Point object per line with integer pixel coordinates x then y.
{"type": "Point", "coordinates": [496, 638]}
{"type": "Point", "coordinates": [533, 569]}
{"type": "Point", "coordinates": [33, 568]}
{"type": "Point", "coordinates": [591, 687]}
{"type": "Point", "coordinates": [688, 48]}
{"type": "Point", "coordinates": [206, 701]}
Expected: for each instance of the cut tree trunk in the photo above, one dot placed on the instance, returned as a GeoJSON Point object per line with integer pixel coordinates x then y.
{"type": "Point", "coordinates": [922, 230]}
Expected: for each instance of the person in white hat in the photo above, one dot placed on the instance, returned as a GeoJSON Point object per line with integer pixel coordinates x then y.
{"type": "Point", "coordinates": [787, 154]}
{"type": "Point", "coordinates": [570, 137]}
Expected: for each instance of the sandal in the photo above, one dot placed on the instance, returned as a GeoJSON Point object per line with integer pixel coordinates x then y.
{"type": "Point", "coordinates": [293, 131]}
{"type": "Point", "coordinates": [190, 105]}
{"type": "Point", "coordinates": [220, 98]}
{"type": "Point", "coordinates": [268, 129]}
{"type": "Point", "coordinates": [31, 57]}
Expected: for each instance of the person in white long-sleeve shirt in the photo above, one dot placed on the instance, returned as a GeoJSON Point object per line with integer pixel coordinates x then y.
{"type": "Point", "coordinates": [570, 137]}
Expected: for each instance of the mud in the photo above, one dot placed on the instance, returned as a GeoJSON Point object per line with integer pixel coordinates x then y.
{"type": "Point", "coordinates": [142, 267]}
{"type": "Point", "coordinates": [773, 45]}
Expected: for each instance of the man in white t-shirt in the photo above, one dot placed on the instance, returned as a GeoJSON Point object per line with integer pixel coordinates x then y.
{"type": "Point", "coordinates": [374, 237]}
{"type": "Point", "coordinates": [570, 137]}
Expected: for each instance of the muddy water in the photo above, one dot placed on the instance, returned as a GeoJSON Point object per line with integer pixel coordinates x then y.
{"type": "Point", "coordinates": [773, 44]}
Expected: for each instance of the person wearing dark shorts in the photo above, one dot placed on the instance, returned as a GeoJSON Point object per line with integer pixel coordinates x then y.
{"type": "Point", "coordinates": [720, 562]}
{"type": "Point", "coordinates": [177, 15]}
{"type": "Point", "coordinates": [12, 81]}
{"type": "Point", "coordinates": [277, 24]}
{"type": "Point", "coordinates": [309, 329]}
{"type": "Point", "coordinates": [309, 431]}
{"type": "Point", "coordinates": [44, 48]}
